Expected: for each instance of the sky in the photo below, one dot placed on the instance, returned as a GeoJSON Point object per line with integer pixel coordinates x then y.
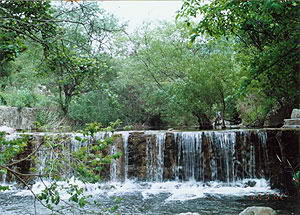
{"type": "Point", "coordinates": [137, 12]}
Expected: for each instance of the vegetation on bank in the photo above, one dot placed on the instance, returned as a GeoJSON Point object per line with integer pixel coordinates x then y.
{"type": "Point", "coordinates": [77, 64]}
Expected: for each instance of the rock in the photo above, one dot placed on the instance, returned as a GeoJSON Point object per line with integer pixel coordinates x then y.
{"type": "Point", "coordinates": [17, 118]}
{"type": "Point", "coordinates": [276, 116]}
{"type": "Point", "coordinates": [295, 113]}
{"type": "Point", "coordinates": [254, 210]}
{"type": "Point", "coordinates": [137, 154]}
{"type": "Point", "coordinates": [250, 183]}
{"type": "Point", "coordinates": [293, 121]}
{"type": "Point", "coordinates": [7, 130]}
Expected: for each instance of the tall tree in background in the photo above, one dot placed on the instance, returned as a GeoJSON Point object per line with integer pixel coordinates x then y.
{"type": "Point", "coordinates": [74, 40]}
{"type": "Point", "coordinates": [78, 60]}
{"type": "Point", "coordinates": [170, 82]}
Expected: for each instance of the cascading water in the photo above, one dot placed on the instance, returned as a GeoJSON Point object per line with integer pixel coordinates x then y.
{"type": "Point", "coordinates": [165, 168]}
{"type": "Point", "coordinates": [225, 156]}
{"type": "Point", "coordinates": [125, 136]}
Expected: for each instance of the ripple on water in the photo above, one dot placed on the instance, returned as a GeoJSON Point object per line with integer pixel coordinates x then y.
{"type": "Point", "coordinates": [157, 198]}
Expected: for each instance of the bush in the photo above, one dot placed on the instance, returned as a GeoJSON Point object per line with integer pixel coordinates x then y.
{"type": "Point", "coordinates": [93, 107]}
{"type": "Point", "coordinates": [19, 98]}
{"type": "Point", "coordinates": [254, 108]}
{"type": "Point", "coordinates": [23, 97]}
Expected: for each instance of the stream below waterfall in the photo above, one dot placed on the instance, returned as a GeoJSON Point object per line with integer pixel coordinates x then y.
{"type": "Point", "coordinates": [172, 172]}
{"type": "Point", "coordinates": [155, 198]}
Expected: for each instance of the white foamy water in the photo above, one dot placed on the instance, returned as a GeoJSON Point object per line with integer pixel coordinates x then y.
{"type": "Point", "coordinates": [178, 191]}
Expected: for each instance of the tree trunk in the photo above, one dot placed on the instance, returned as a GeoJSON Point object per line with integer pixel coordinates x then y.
{"type": "Point", "coordinates": [64, 101]}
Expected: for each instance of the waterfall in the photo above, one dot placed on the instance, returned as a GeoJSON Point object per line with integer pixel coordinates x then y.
{"type": "Point", "coordinates": [205, 156]}
{"type": "Point", "coordinates": [160, 142]}
{"type": "Point", "coordinates": [226, 156]}
{"type": "Point", "coordinates": [189, 155]}
{"type": "Point", "coordinates": [113, 165]}
{"type": "Point", "coordinates": [155, 155]}
{"type": "Point", "coordinates": [125, 136]}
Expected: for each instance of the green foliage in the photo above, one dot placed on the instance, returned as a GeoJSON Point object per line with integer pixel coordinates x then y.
{"type": "Point", "coordinates": [165, 80]}
{"type": "Point", "coordinates": [50, 195]}
{"type": "Point", "coordinates": [22, 20]}
{"type": "Point", "coordinates": [254, 107]}
{"type": "Point", "coordinates": [72, 75]}
{"type": "Point", "coordinates": [4, 188]}
{"type": "Point", "coordinates": [11, 148]}
{"type": "Point", "coordinates": [128, 128]}
{"type": "Point", "coordinates": [20, 98]}
{"type": "Point", "coordinates": [67, 59]}
{"type": "Point", "coordinates": [10, 49]}
{"type": "Point", "coordinates": [87, 108]}
{"type": "Point", "coordinates": [267, 33]}
{"type": "Point", "coordinates": [72, 65]}
{"type": "Point", "coordinates": [64, 55]}
{"type": "Point", "coordinates": [88, 160]}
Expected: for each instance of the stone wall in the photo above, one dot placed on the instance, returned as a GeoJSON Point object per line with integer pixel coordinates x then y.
{"type": "Point", "coordinates": [276, 154]}
{"type": "Point", "coordinates": [17, 118]}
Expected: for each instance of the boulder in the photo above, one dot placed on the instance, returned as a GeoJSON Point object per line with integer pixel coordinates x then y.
{"type": "Point", "coordinates": [294, 122]}
{"type": "Point", "coordinates": [254, 210]}
{"type": "Point", "coordinates": [295, 114]}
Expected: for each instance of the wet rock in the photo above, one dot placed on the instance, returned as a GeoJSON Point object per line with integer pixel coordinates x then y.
{"type": "Point", "coordinates": [254, 210]}
{"type": "Point", "coordinates": [288, 122]}
{"type": "Point", "coordinates": [207, 154]}
{"type": "Point", "coordinates": [137, 154]}
{"type": "Point", "coordinates": [250, 183]}
{"type": "Point", "coordinates": [170, 156]}
{"type": "Point", "coordinates": [120, 162]}
{"type": "Point", "coordinates": [284, 149]}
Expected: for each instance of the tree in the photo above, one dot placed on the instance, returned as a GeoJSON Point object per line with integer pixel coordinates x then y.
{"type": "Point", "coordinates": [71, 75]}
{"type": "Point", "coordinates": [78, 62]}
{"type": "Point", "coordinates": [174, 82]}
{"type": "Point", "coordinates": [20, 21]}
{"type": "Point", "coordinates": [268, 33]}
{"type": "Point", "coordinates": [74, 38]}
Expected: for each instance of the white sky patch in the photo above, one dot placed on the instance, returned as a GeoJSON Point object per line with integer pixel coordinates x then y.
{"type": "Point", "coordinates": [138, 12]}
